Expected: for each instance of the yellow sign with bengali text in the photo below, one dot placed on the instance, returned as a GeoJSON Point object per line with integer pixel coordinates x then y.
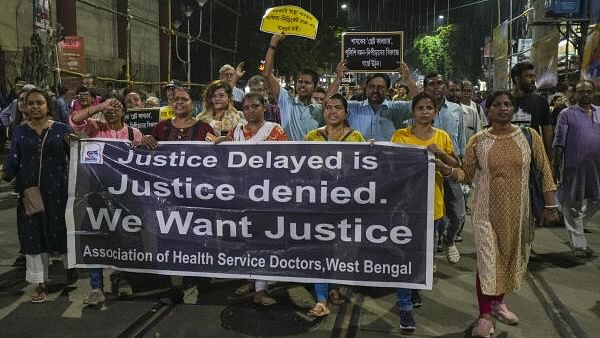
{"type": "Point", "coordinates": [166, 113]}
{"type": "Point", "coordinates": [291, 20]}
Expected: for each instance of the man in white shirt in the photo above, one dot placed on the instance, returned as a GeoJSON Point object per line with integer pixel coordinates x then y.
{"type": "Point", "coordinates": [467, 100]}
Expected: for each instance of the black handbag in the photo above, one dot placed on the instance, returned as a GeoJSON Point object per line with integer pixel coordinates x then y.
{"type": "Point", "coordinates": [536, 194]}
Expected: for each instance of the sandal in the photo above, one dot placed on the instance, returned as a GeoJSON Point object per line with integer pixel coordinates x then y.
{"type": "Point", "coordinates": [262, 299]}
{"type": "Point", "coordinates": [245, 289]}
{"type": "Point", "coordinates": [336, 297]}
{"type": "Point", "coordinates": [319, 310]}
{"type": "Point", "coordinates": [40, 295]}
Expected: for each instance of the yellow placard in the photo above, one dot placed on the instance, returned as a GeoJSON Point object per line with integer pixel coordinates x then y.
{"type": "Point", "coordinates": [166, 112]}
{"type": "Point", "coordinates": [291, 20]}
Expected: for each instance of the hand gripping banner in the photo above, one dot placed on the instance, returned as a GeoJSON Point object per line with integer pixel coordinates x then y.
{"type": "Point", "coordinates": [347, 213]}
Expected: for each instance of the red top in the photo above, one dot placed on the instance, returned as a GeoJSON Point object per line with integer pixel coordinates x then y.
{"type": "Point", "coordinates": [165, 131]}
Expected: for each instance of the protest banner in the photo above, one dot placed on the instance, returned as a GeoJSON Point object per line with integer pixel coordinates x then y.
{"type": "Point", "coordinates": [544, 55]}
{"type": "Point", "coordinates": [142, 118]}
{"type": "Point", "coordinates": [590, 67]}
{"type": "Point", "coordinates": [290, 20]}
{"type": "Point", "coordinates": [71, 54]}
{"type": "Point", "coordinates": [367, 52]}
{"type": "Point", "coordinates": [338, 212]}
{"type": "Point", "coordinates": [500, 52]}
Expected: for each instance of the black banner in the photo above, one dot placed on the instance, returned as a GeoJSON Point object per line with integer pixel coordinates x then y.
{"type": "Point", "coordinates": [371, 52]}
{"type": "Point", "coordinates": [142, 118]}
{"type": "Point", "coordinates": [349, 213]}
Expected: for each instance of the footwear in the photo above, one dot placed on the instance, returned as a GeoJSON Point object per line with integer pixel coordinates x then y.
{"type": "Point", "coordinates": [320, 309]}
{"type": "Point", "coordinates": [95, 297]}
{"type": "Point", "coordinates": [452, 254]}
{"type": "Point", "coordinates": [407, 322]}
{"type": "Point", "coordinates": [416, 299]}
{"type": "Point", "coordinates": [261, 298]}
{"type": "Point", "coordinates": [245, 289]}
{"type": "Point", "coordinates": [482, 328]}
{"type": "Point", "coordinates": [583, 253]}
{"type": "Point", "coordinates": [458, 238]}
{"type": "Point", "coordinates": [123, 288]}
{"type": "Point", "coordinates": [503, 314]}
{"type": "Point", "coordinates": [19, 262]}
{"type": "Point", "coordinates": [40, 295]}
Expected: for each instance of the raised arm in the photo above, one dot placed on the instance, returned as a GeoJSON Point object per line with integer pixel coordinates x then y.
{"type": "Point", "coordinates": [413, 90]}
{"type": "Point", "coordinates": [240, 70]}
{"type": "Point", "coordinates": [272, 82]}
{"type": "Point", "coordinates": [339, 75]}
{"type": "Point", "coordinates": [83, 114]}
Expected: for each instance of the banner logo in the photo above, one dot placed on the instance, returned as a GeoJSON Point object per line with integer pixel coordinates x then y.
{"type": "Point", "coordinates": [91, 153]}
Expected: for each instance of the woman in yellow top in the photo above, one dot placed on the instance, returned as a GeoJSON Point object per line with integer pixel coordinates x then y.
{"type": "Point", "coordinates": [439, 143]}
{"type": "Point", "coordinates": [219, 111]}
{"type": "Point", "coordinates": [337, 129]}
{"type": "Point", "coordinates": [336, 126]}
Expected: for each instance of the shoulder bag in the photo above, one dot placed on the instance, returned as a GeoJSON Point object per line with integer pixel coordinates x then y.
{"type": "Point", "coordinates": [32, 196]}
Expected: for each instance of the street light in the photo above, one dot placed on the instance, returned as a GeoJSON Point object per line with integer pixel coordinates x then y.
{"type": "Point", "coordinates": [441, 17]}
{"type": "Point", "coordinates": [344, 6]}
{"type": "Point", "coordinates": [187, 13]}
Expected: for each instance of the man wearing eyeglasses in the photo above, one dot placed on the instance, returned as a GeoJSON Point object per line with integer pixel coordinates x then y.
{"type": "Point", "coordinates": [375, 116]}
{"type": "Point", "coordinates": [83, 100]}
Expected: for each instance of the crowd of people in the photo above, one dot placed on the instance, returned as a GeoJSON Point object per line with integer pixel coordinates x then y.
{"type": "Point", "coordinates": [485, 151]}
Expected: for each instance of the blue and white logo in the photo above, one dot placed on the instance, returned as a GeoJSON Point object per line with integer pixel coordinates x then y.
{"type": "Point", "coordinates": [91, 153]}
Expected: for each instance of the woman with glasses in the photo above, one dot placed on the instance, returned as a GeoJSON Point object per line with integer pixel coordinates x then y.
{"type": "Point", "coordinates": [219, 111]}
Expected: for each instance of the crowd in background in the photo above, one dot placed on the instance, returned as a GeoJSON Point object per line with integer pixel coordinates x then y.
{"type": "Point", "coordinates": [486, 149]}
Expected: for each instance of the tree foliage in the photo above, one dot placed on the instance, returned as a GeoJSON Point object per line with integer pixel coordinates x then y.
{"type": "Point", "coordinates": [433, 51]}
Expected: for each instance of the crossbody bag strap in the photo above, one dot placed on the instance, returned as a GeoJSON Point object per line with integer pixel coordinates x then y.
{"type": "Point", "coordinates": [42, 154]}
{"type": "Point", "coordinates": [130, 134]}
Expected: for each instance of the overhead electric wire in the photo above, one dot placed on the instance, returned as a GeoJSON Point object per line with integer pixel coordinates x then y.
{"type": "Point", "coordinates": [162, 28]}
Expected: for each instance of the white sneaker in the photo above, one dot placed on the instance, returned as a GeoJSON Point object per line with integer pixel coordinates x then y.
{"type": "Point", "coordinates": [95, 297]}
{"type": "Point", "coordinates": [452, 254]}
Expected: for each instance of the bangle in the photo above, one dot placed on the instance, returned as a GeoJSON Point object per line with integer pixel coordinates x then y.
{"type": "Point", "coordinates": [551, 206]}
{"type": "Point", "coordinates": [272, 47]}
{"type": "Point", "coordinates": [450, 173]}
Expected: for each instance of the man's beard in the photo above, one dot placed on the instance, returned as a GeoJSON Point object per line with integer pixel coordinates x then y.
{"type": "Point", "coordinates": [378, 100]}
{"type": "Point", "coordinates": [454, 99]}
{"type": "Point", "coordinates": [528, 88]}
{"type": "Point", "coordinates": [585, 100]}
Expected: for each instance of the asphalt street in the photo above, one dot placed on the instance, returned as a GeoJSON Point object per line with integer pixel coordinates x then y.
{"type": "Point", "coordinates": [560, 298]}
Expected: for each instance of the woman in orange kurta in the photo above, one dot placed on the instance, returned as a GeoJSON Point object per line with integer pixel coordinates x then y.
{"type": "Point", "coordinates": [497, 161]}
{"type": "Point", "coordinates": [255, 129]}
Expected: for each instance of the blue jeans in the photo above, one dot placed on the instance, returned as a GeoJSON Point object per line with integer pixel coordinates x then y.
{"type": "Point", "coordinates": [404, 296]}
{"type": "Point", "coordinates": [96, 278]}
{"type": "Point", "coordinates": [322, 291]}
{"type": "Point", "coordinates": [404, 299]}
{"type": "Point", "coordinates": [454, 201]}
